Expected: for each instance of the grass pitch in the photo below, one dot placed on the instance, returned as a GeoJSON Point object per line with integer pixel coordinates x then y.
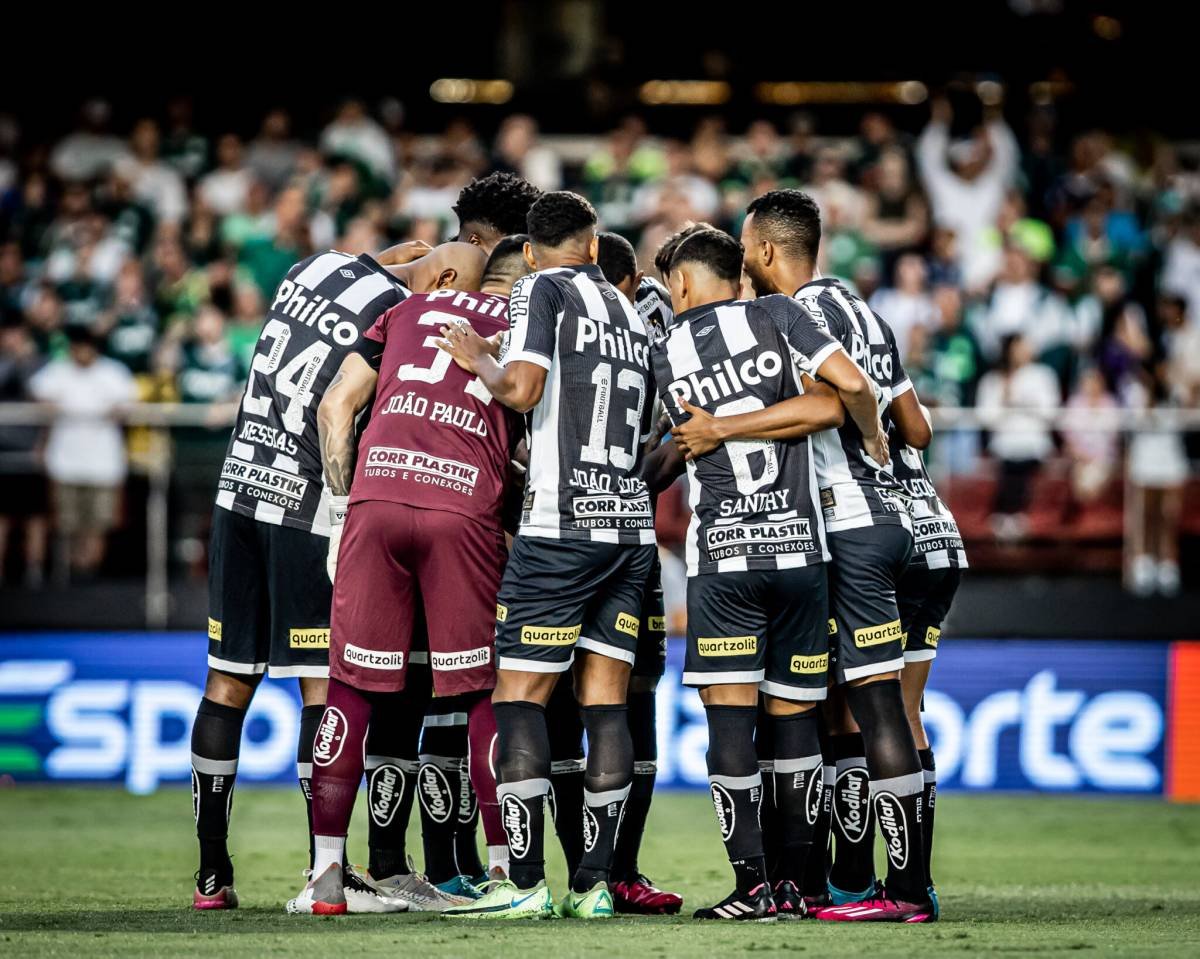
{"type": "Point", "coordinates": [88, 872]}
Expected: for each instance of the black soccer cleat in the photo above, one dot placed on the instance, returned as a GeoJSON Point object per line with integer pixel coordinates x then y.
{"type": "Point", "coordinates": [789, 904]}
{"type": "Point", "coordinates": [754, 906]}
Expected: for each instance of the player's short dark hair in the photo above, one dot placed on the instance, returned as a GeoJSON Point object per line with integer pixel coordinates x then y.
{"type": "Point", "coordinates": [499, 200]}
{"type": "Point", "coordinates": [616, 259]}
{"type": "Point", "coordinates": [500, 264]}
{"type": "Point", "coordinates": [662, 259]}
{"type": "Point", "coordinates": [791, 219]}
{"type": "Point", "coordinates": [716, 249]}
{"type": "Point", "coordinates": [557, 217]}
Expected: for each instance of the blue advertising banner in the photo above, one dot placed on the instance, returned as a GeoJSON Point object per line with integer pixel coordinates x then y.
{"type": "Point", "coordinates": [1002, 714]}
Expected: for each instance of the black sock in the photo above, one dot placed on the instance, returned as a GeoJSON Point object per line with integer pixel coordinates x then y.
{"type": "Point", "coordinates": [816, 871]}
{"type": "Point", "coordinates": [466, 845]}
{"type": "Point", "coordinates": [735, 784]}
{"type": "Point", "coordinates": [896, 784]}
{"type": "Point", "coordinates": [768, 815]}
{"type": "Point", "coordinates": [216, 743]}
{"type": "Point", "coordinates": [853, 868]}
{"type": "Point", "coordinates": [438, 786]}
{"type": "Point", "coordinates": [929, 802]}
{"type": "Point", "coordinates": [523, 777]}
{"type": "Point", "coordinates": [607, 780]}
{"type": "Point", "coordinates": [565, 727]}
{"type": "Point", "coordinates": [642, 730]}
{"type": "Point", "coordinates": [310, 719]}
{"type": "Point", "coordinates": [798, 790]}
{"type": "Point", "coordinates": [391, 765]}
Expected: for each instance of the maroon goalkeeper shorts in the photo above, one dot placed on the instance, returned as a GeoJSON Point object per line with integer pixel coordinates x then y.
{"type": "Point", "coordinates": [394, 558]}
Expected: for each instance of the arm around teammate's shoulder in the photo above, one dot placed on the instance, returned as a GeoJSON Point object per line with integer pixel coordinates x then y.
{"type": "Point", "coordinates": [858, 395]}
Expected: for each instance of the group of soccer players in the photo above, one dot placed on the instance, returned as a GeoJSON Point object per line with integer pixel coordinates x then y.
{"type": "Point", "coordinates": [471, 439]}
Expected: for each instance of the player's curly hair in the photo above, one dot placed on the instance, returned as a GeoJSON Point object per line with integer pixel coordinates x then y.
{"type": "Point", "coordinates": [662, 259]}
{"type": "Point", "coordinates": [716, 249]}
{"type": "Point", "coordinates": [558, 216]}
{"type": "Point", "coordinates": [790, 218]}
{"type": "Point", "coordinates": [499, 200]}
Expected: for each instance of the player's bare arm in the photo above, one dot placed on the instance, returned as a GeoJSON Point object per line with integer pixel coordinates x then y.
{"type": "Point", "coordinates": [820, 408]}
{"type": "Point", "coordinates": [518, 386]}
{"type": "Point", "coordinates": [912, 420]}
{"type": "Point", "coordinates": [402, 253]}
{"type": "Point", "coordinates": [350, 391]}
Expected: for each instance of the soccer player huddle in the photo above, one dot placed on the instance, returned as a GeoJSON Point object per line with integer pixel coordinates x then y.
{"type": "Point", "coordinates": [471, 439]}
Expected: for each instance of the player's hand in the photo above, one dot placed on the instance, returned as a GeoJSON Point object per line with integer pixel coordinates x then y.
{"type": "Point", "coordinates": [403, 253]}
{"type": "Point", "coordinates": [465, 345]}
{"type": "Point", "coordinates": [877, 446]}
{"type": "Point", "coordinates": [496, 340]}
{"type": "Point", "coordinates": [699, 435]}
{"type": "Point", "coordinates": [338, 505]}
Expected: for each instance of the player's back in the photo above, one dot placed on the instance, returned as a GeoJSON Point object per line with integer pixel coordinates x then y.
{"type": "Point", "coordinates": [272, 470]}
{"type": "Point", "coordinates": [855, 490]}
{"type": "Point", "coordinates": [754, 502]}
{"type": "Point", "coordinates": [436, 438]}
{"type": "Point", "coordinates": [588, 428]}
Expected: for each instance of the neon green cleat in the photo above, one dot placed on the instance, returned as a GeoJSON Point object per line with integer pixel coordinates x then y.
{"type": "Point", "coordinates": [596, 903]}
{"type": "Point", "coordinates": [503, 900]}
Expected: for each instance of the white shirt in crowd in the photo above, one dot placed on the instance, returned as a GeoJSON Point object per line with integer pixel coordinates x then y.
{"type": "Point", "coordinates": [86, 446]}
{"type": "Point", "coordinates": [904, 312]}
{"type": "Point", "coordinates": [1018, 411]}
{"type": "Point", "coordinates": [1036, 312]}
{"type": "Point", "coordinates": [224, 191]}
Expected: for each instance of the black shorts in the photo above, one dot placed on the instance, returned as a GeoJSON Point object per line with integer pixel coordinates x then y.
{"type": "Point", "coordinates": [924, 596]}
{"type": "Point", "coordinates": [269, 598]}
{"type": "Point", "coordinates": [559, 593]}
{"type": "Point", "coordinates": [650, 661]}
{"type": "Point", "coordinates": [865, 635]}
{"type": "Point", "coordinates": [760, 626]}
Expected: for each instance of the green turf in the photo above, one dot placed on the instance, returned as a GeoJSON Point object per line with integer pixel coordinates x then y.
{"type": "Point", "coordinates": [97, 872]}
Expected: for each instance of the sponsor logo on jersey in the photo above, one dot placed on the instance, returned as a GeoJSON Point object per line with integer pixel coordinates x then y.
{"type": "Point", "coordinates": [331, 736]}
{"type": "Point", "coordinates": [932, 635]}
{"type": "Point", "coordinates": [620, 342]}
{"type": "Point", "coordinates": [875, 358]}
{"type": "Point", "coordinates": [656, 624]}
{"type": "Point", "coordinates": [262, 482]}
{"type": "Point", "coordinates": [462, 659]}
{"type": "Point", "coordinates": [437, 798]}
{"type": "Point", "coordinates": [772, 501]}
{"type": "Point", "coordinates": [585, 507]}
{"type": "Point", "coordinates": [627, 624]}
{"type": "Point", "coordinates": [810, 665]}
{"type": "Point", "coordinates": [727, 378]}
{"type": "Point", "coordinates": [384, 789]}
{"type": "Point", "coordinates": [308, 638]}
{"type": "Point", "coordinates": [726, 813]}
{"type": "Point", "coordinates": [214, 630]}
{"type": "Point", "coordinates": [515, 816]}
{"type": "Point", "coordinates": [372, 658]}
{"type": "Point", "coordinates": [727, 645]}
{"type": "Point", "coordinates": [813, 794]}
{"type": "Point", "coordinates": [290, 300]}
{"type": "Point", "coordinates": [877, 635]}
{"type": "Point", "coordinates": [828, 498]}
{"type": "Point", "coordinates": [851, 798]}
{"type": "Point", "coordinates": [591, 829]}
{"type": "Point", "coordinates": [414, 461]}
{"type": "Point", "coordinates": [708, 329]}
{"type": "Point", "coordinates": [501, 613]}
{"type": "Point", "coordinates": [759, 539]}
{"type": "Point", "coordinates": [893, 827]}
{"type": "Point", "coordinates": [550, 635]}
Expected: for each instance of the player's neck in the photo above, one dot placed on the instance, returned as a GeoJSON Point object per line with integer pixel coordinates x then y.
{"type": "Point", "coordinates": [794, 274]}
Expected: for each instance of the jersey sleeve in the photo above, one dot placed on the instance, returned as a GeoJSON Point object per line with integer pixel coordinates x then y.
{"type": "Point", "coordinates": [534, 310]}
{"type": "Point", "coordinates": [370, 345]}
{"type": "Point", "coordinates": [810, 344]}
{"type": "Point", "coordinates": [900, 384]}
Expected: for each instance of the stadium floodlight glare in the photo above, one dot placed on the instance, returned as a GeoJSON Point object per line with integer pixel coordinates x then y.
{"type": "Point", "coordinates": [451, 90]}
{"type": "Point", "coordinates": [794, 93]}
{"type": "Point", "coordinates": [684, 92]}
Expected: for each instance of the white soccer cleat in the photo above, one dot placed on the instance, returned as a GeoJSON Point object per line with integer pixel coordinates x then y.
{"type": "Point", "coordinates": [362, 897]}
{"type": "Point", "coordinates": [413, 890]}
{"type": "Point", "coordinates": [322, 896]}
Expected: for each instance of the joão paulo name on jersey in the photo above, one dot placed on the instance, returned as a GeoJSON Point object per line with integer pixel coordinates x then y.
{"type": "Point", "coordinates": [755, 503]}
{"type": "Point", "coordinates": [272, 469]}
{"type": "Point", "coordinates": [436, 438]}
{"type": "Point", "coordinates": [855, 490]}
{"type": "Point", "coordinates": [937, 543]}
{"type": "Point", "coordinates": [588, 429]}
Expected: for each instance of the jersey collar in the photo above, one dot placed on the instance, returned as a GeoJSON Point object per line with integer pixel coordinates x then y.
{"type": "Point", "coordinates": [698, 311]}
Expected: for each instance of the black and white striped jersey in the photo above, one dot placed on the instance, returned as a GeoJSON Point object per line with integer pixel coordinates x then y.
{"type": "Point", "coordinates": [937, 542]}
{"type": "Point", "coordinates": [855, 490]}
{"type": "Point", "coordinates": [588, 430]}
{"type": "Point", "coordinates": [755, 503]}
{"type": "Point", "coordinates": [272, 470]}
{"type": "Point", "coordinates": [653, 303]}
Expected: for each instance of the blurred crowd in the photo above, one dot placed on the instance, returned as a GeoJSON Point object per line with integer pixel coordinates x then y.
{"type": "Point", "coordinates": [1025, 273]}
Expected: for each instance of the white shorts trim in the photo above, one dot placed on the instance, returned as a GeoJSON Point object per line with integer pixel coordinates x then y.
{"type": "Point", "coordinates": [302, 672]}
{"type": "Point", "coordinates": [604, 649]}
{"type": "Point", "coordinates": [242, 669]}
{"type": "Point", "coordinates": [723, 679]}
{"type": "Point", "coordinates": [534, 665]}
{"type": "Point", "coordinates": [871, 669]}
{"type": "Point", "coordinates": [920, 655]}
{"type": "Point", "coordinates": [799, 694]}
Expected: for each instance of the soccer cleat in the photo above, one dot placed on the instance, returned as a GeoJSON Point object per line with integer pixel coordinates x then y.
{"type": "Point", "coordinates": [413, 890]}
{"type": "Point", "coordinates": [839, 897]}
{"type": "Point", "coordinates": [459, 888]}
{"type": "Point", "coordinates": [639, 896]}
{"type": "Point", "coordinates": [754, 906]}
{"type": "Point", "coordinates": [937, 906]}
{"type": "Point", "coordinates": [362, 897]}
{"type": "Point", "coordinates": [208, 895]}
{"type": "Point", "coordinates": [813, 903]}
{"type": "Point", "coordinates": [881, 909]}
{"type": "Point", "coordinates": [596, 903]}
{"type": "Point", "coordinates": [322, 896]}
{"type": "Point", "coordinates": [503, 900]}
{"type": "Point", "coordinates": [789, 904]}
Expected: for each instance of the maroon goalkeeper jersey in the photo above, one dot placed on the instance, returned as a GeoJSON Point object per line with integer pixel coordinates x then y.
{"type": "Point", "coordinates": [436, 438]}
